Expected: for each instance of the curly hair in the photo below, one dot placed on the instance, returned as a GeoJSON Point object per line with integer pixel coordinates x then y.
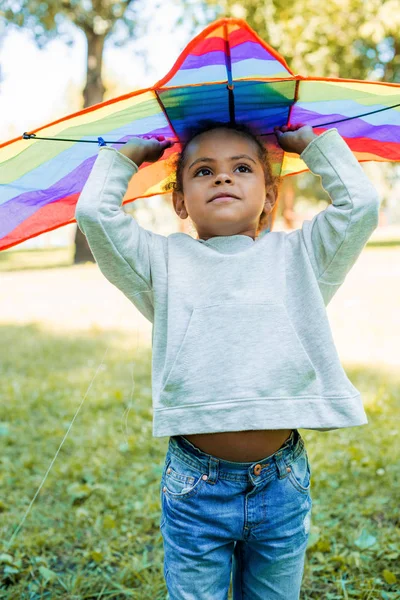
{"type": "Point", "coordinates": [175, 183]}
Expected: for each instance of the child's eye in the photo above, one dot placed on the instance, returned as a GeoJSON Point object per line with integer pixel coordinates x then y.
{"type": "Point", "coordinates": [200, 170]}
{"type": "Point", "coordinates": [245, 166]}
{"type": "Point", "coordinates": [206, 169]}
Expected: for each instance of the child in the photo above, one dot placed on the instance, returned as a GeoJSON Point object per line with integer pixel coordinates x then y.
{"type": "Point", "coordinates": [243, 354]}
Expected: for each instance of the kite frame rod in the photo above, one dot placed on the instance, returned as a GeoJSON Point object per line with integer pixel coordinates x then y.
{"type": "Point", "coordinates": [100, 141]}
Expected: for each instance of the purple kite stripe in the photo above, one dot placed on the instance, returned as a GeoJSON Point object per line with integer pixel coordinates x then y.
{"type": "Point", "coordinates": [251, 50]}
{"type": "Point", "coordinates": [353, 128]}
{"type": "Point", "coordinates": [21, 207]}
{"type": "Point", "coordinates": [197, 62]}
{"type": "Point", "coordinates": [218, 57]}
{"type": "Point", "coordinates": [15, 211]}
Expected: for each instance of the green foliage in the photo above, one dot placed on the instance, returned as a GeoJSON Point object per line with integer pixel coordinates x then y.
{"type": "Point", "coordinates": [46, 20]}
{"type": "Point", "coordinates": [354, 39]}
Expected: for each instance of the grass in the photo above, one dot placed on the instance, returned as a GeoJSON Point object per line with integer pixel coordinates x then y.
{"type": "Point", "coordinates": [93, 531]}
{"type": "Point", "coordinates": [43, 258]}
{"type": "Point", "coordinates": [94, 525]}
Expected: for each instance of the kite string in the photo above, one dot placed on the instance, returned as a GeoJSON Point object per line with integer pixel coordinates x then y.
{"type": "Point", "coordinates": [101, 142]}
{"type": "Point", "coordinates": [8, 544]}
{"type": "Point", "coordinates": [18, 528]}
{"type": "Point", "coordinates": [130, 403]}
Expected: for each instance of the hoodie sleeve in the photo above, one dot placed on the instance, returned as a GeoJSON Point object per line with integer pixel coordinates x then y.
{"type": "Point", "coordinates": [335, 237]}
{"type": "Point", "coordinates": [122, 248]}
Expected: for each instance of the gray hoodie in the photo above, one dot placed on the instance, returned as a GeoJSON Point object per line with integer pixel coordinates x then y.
{"type": "Point", "coordinates": [241, 339]}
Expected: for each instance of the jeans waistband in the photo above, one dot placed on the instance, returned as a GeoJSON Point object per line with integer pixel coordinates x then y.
{"type": "Point", "coordinates": [192, 455]}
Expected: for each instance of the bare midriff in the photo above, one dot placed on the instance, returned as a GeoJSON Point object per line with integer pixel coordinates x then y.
{"type": "Point", "coordinates": [240, 446]}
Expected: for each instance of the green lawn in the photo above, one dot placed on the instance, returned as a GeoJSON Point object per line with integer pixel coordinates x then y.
{"type": "Point", "coordinates": [93, 531]}
{"type": "Point", "coordinates": [17, 260]}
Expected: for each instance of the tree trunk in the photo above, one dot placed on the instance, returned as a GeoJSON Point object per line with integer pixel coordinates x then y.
{"type": "Point", "coordinates": [92, 94]}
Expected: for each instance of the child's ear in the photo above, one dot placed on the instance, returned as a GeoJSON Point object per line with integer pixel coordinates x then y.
{"type": "Point", "coordinates": [179, 205]}
{"type": "Point", "coordinates": [270, 198]}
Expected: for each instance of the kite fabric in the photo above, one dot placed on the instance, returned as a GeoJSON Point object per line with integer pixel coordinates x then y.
{"type": "Point", "coordinates": [226, 73]}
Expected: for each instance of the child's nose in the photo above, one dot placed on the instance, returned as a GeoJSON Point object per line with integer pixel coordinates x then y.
{"type": "Point", "coordinates": [223, 178]}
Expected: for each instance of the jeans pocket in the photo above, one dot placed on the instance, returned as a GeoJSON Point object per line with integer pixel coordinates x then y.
{"type": "Point", "coordinates": [181, 480]}
{"type": "Point", "coordinates": [300, 473]}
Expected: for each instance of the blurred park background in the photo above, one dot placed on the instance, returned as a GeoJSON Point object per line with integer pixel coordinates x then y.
{"type": "Point", "coordinates": [67, 334]}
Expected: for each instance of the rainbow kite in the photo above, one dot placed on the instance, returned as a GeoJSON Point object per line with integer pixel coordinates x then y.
{"type": "Point", "coordinates": [227, 73]}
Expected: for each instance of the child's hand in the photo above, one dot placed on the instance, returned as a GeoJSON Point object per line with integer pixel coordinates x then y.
{"type": "Point", "coordinates": [146, 149]}
{"type": "Point", "coordinates": [294, 138]}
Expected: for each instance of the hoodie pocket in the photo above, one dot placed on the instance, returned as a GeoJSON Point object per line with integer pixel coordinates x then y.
{"type": "Point", "coordinates": [239, 351]}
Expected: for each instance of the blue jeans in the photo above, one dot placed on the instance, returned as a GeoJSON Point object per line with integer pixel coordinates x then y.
{"type": "Point", "coordinates": [254, 514]}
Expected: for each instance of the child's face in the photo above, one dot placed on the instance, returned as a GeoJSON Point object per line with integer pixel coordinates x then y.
{"type": "Point", "coordinates": [222, 160]}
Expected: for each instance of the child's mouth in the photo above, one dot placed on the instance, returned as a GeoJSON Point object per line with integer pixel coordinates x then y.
{"type": "Point", "coordinates": [223, 199]}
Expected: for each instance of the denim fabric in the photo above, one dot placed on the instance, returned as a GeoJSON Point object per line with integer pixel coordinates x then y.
{"type": "Point", "coordinates": [220, 518]}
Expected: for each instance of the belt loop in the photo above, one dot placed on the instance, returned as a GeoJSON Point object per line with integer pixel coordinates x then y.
{"type": "Point", "coordinates": [281, 466]}
{"type": "Point", "coordinates": [213, 469]}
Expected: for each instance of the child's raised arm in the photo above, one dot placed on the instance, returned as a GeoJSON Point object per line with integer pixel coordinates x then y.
{"type": "Point", "coordinates": [335, 237]}
{"type": "Point", "coordinates": [121, 247]}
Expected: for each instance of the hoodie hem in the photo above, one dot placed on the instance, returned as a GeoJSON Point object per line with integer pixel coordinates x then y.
{"type": "Point", "coordinates": [322, 413]}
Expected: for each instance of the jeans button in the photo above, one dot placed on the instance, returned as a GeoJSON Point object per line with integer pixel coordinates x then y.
{"type": "Point", "coordinates": [257, 469]}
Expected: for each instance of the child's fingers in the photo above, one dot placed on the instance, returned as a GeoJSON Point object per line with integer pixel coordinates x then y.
{"type": "Point", "coordinates": [293, 127]}
{"type": "Point", "coordinates": [160, 138]}
{"type": "Point", "coordinates": [165, 143]}
{"type": "Point", "coordinates": [285, 128]}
